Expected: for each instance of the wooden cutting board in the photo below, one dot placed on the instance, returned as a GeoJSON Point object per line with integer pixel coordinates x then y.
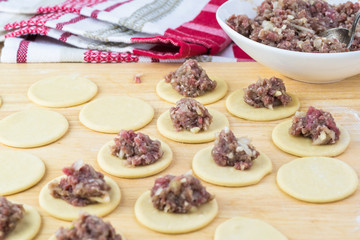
{"type": "Point", "coordinates": [296, 219]}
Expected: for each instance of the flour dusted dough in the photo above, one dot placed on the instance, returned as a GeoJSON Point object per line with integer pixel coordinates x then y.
{"type": "Point", "coordinates": [317, 179]}
{"type": "Point", "coordinates": [117, 167]}
{"type": "Point", "coordinates": [166, 128]}
{"type": "Point", "coordinates": [236, 105]}
{"type": "Point", "coordinates": [205, 168]}
{"type": "Point", "coordinates": [59, 208]}
{"type": "Point", "coordinates": [32, 128]}
{"type": "Point", "coordinates": [62, 91]}
{"type": "Point", "coordinates": [167, 93]}
{"type": "Point", "coordinates": [248, 229]}
{"type": "Point", "coordinates": [303, 147]}
{"type": "Point", "coordinates": [19, 171]}
{"type": "Point", "coordinates": [28, 227]}
{"type": "Point", "coordinates": [161, 221]}
{"type": "Point", "coordinates": [114, 113]}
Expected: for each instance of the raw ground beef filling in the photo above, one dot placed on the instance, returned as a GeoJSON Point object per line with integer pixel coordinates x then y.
{"type": "Point", "coordinates": [191, 115]}
{"type": "Point", "coordinates": [82, 186]}
{"type": "Point", "coordinates": [296, 25]}
{"type": "Point", "coordinates": [179, 194]}
{"type": "Point", "coordinates": [316, 124]}
{"type": "Point", "coordinates": [88, 227]}
{"type": "Point", "coordinates": [190, 79]}
{"type": "Point", "coordinates": [10, 215]}
{"type": "Point", "coordinates": [231, 151]}
{"type": "Point", "coordinates": [267, 93]}
{"type": "Point", "coordinates": [137, 148]}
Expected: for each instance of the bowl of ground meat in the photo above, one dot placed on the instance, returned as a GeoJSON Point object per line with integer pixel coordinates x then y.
{"type": "Point", "coordinates": [284, 36]}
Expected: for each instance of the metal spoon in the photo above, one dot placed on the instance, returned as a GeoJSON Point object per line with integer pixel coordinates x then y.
{"type": "Point", "coordinates": [343, 34]}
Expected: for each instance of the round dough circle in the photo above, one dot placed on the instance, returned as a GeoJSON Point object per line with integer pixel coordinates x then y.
{"type": "Point", "coordinates": [60, 209]}
{"type": "Point", "coordinates": [205, 168]}
{"type": "Point", "coordinates": [32, 128]}
{"type": "Point", "coordinates": [303, 147]}
{"type": "Point", "coordinates": [28, 227]}
{"type": "Point", "coordinates": [62, 91]}
{"type": "Point", "coordinates": [236, 105]}
{"type": "Point", "coordinates": [166, 92]}
{"type": "Point", "coordinates": [247, 228]}
{"type": "Point", "coordinates": [173, 223]}
{"type": "Point", "coordinates": [114, 113]}
{"type": "Point", "coordinates": [317, 179]}
{"type": "Point", "coordinates": [165, 127]}
{"type": "Point", "coordinates": [117, 166]}
{"type": "Point", "coordinates": [53, 237]}
{"type": "Point", "coordinates": [19, 171]}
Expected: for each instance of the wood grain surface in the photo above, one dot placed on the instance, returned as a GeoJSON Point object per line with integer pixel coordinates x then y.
{"type": "Point", "coordinates": [296, 219]}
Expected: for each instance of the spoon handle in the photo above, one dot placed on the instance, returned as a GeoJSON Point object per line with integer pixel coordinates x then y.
{"type": "Point", "coordinates": [353, 29]}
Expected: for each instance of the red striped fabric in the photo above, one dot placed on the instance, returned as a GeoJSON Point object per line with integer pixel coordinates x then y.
{"type": "Point", "coordinates": [21, 55]}
{"type": "Point", "coordinates": [71, 21]}
{"type": "Point", "coordinates": [96, 12]}
{"type": "Point", "coordinates": [202, 35]}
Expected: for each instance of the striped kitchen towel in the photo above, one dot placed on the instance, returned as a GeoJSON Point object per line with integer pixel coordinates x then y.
{"type": "Point", "coordinates": [114, 30]}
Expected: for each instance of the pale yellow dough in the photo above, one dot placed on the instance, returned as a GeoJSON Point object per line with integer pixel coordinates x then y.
{"type": "Point", "coordinates": [28, 227]}
{"type": "Point", "coordinates": [62, 91]}
{"type": "Point", "coordinates": [247, 229]}
{"type": "Point", "coordinates": [317, 179]}
{"type": "Point", "coordinates": [59, 208]}
{"type": "Point", "coordinates": [118, 167]}
{"type": "Point", "coordinates": [114, 113]}
{"type": "Point", "coordinates": [53, 237]}
{"type": "Point", "coordinates": [166, 128]}
{"type": "Point", "coordinates": [32, 128]}
{"type": "Point", "coordinates": [0, 101]}
{"type": "Point", "coordinates": [19, 171]}
{"type": "Point", "coordinates": [173, 223]}
{"type": "Point", "coordinates": [205, 168]}
{"type": "Point", "coordinates": [303, 147]}
{"type": "Point", "coordinates": [236, 105]}
{"type": "Point", "coordinates": [166, 92]}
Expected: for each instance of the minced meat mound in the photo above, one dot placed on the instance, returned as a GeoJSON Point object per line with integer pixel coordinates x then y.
{"type": "Point", "coordinates": [190, 79]}
{"type": "Point", "coordinates": [88, 227]}
{"type": "Point", "coordinates": [179, 194]}
{"type": "Point", "coordinates": [267, 93]}
{"type": "Point", "coordinates": [10, 215]}
{"type": "Point", "coordinates": [137, 148]}
{"type": "Point", "coordinates": [191, 115]}
{"type": "Point", "coordinates": [231, 151]}
{"type": "Point", "coordinates": [297, 24]}
{"type": "Point", "coordinates": [316, 124]}
{"type": "Point", "coordinates": [81, 186]}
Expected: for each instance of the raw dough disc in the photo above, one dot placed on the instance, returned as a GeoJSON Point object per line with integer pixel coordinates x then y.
{"type": "Point", "coordinates": [303, 147]}
{"type": "Point", "coordinates": [59, 208]}
{"type": "Point", "coordinates": [19, 171]}
{"type": "Point", "coordinates": [165, 127]}
{"type": "Point", "coordinates": [117, 167]}
{"type": "Point", "coordinates": [114, 113]}
{"type": "Point", "coordinates": [161, 221]}
{"type": "Point", "coordinates": [28, 227]}
{"type": "Point", "coordinates": [32, 128]}
{"type": "Point", "coordinates": [205, 168]}
{"type": "Point", "coordinates": [167, 93]}
{"type": "Point", "coordinates": [53, 237]}
{"type": "Point", "coordinates": [62, 91]}
{"type": "Point", "coordinates": [317, 179]}
{"type": "Point", "coordinates": [236, 105]}
{"type": "Point", "coordinates": [247, 228]}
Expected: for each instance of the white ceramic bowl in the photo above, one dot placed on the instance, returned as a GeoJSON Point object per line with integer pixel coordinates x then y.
{"type": "Point", "coordinates": [306, 67]}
